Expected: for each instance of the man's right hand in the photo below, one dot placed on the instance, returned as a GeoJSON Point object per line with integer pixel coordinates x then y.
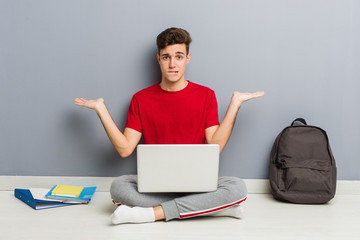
{"type": "Point", "coordinates": [124, 143]}
{"type": "Point", "coordinates": [92, 104]}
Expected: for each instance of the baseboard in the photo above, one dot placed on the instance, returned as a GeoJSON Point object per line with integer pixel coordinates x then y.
{"type": "Point", "coordinates": [254, 186]}
{"type": "Point", "coordinates": [12, 182]}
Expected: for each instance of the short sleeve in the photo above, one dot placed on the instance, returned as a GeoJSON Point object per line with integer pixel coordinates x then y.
{"type": "Point", "coordinates": [133, 118]}
{"type": "Point", "coordinates": [212, 117]}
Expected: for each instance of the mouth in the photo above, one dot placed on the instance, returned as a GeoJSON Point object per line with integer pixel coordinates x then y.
{"type": "Point", "coordinates": [173, 72]}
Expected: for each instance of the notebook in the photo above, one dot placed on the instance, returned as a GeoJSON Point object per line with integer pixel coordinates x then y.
{"type": "Point", "coordinates": [67, 191]}
{"type": "Point", "coordinates": [177, 168]}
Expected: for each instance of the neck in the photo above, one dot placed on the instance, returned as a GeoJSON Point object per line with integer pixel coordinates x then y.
{"type": "Point", "coordinates": [173, 86]}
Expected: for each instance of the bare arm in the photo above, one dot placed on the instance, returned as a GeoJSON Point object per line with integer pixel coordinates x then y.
{"type": "Point", "coordinates": [124, 143]}
{"type": "Point", "coordinates": [221, 134]}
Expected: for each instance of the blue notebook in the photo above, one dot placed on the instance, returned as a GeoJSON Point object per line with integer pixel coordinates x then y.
{"type": "Point", "coordinates": [38, 203]}
{"type": "Point", "coordinates": [85, 195]}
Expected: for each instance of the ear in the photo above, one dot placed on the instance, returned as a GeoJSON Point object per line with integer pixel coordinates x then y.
{"type": "Point", "coordinates": [188, 58]}
{"type": "Point", "coordinates": [158, 58]}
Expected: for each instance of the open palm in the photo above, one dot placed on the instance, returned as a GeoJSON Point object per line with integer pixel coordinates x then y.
{"type": "Point", "coordinates": [239, 98]}
{"type": "Point", "coordinates": [92, 104]}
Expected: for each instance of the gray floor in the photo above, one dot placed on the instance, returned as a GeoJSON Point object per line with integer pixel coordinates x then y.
{"type": "Point", "coordinates": [264, 218]}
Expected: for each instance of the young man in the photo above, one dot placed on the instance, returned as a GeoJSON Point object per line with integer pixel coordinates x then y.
{"type": "Point", "coordinates": [174, 111]}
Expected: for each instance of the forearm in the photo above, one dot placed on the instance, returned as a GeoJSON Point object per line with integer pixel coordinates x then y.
{"type": "Point", "coordinates": [223, 132]}
{"type": "Point", "coordinates": [117, 138]}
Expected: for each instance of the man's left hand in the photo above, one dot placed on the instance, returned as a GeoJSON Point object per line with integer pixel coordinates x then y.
{"type": "Point", "coordinates": [239, 98]}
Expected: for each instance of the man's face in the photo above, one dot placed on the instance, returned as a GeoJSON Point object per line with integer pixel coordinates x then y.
{"type": "Point", "coordinates": [173, 60]}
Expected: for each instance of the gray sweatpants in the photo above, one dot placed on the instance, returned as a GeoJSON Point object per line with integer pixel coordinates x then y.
{"type": "Point", "coordinates": [231, 191]}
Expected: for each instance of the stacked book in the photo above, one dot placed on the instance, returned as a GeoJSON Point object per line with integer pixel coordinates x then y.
{"type": "Point", "coordinates": [58, 196]}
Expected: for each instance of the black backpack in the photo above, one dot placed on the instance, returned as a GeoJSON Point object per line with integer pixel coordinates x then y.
{"type": "Point", "coordinates": [302, 168]}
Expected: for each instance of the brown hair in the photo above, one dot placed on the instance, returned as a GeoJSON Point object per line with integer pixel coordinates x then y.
{"type": "Point", "coordinates": [173, 36]}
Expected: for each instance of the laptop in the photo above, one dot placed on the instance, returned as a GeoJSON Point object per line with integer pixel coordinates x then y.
{"type": "Point", "coordinates": [177, 168]}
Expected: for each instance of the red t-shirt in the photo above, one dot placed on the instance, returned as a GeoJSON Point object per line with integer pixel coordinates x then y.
{"type": "Point", "coordinates": [179, 117]}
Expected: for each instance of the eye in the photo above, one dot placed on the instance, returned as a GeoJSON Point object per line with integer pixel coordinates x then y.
{"type": "Point", "coordinates": [179, 57]}
{"type": "Point", "coordinates": [165, 57]}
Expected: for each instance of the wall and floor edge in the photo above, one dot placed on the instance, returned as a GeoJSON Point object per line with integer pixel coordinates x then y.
{"type": "Point", "coordinates": [255, 186]}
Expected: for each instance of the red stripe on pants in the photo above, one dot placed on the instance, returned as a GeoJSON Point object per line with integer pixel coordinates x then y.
{"type": "Point", "coordinates": [212, 210]}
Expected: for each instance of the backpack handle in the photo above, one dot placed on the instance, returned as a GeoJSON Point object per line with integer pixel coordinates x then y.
{"type": "Point", "coordinates": [299, 120]}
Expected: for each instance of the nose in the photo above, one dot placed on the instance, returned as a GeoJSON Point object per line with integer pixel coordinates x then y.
{"type": "Point", "coordinates": [172, 63]}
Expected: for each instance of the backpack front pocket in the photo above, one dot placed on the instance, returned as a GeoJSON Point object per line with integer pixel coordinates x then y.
{"type": "Point", "coordinates": [307, 175]}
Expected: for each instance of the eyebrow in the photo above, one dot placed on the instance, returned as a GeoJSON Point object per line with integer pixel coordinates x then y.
{"type": "Point", "coordinates": [177, 53]}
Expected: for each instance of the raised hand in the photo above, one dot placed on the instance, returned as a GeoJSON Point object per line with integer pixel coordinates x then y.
{"type": "Point", "coordinates": [239, 98]}
{"type": "Point", "coordinates": [92, 104]}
